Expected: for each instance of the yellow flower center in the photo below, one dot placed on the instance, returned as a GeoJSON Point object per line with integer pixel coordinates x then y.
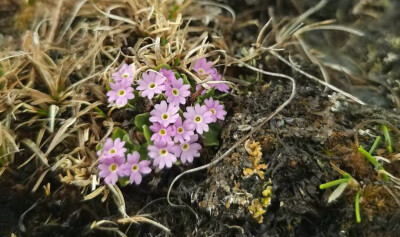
{"type": "Point", "coordinates": [163, 152]}
{"type": "Point", "coordinates": [121, 92]}
{"type": "Point", "coordinates": [113, 167]}
{"type": "Point", "coordinates": [135, 167]}
{"type": "Point", "coordinates": [125, 75]}
{"type": "Point", "coordinates": [185, 147]}
{"type": "Point", "coordinates": [180, 130]}
{"type": "Point", "coordinates": [163, 132]}
{"type": "Point", "coordinates": [112, 151]}
{"type": "Point", "coordinates": [152, 85]}
{"type": "Point", "coordinates": [165, 116]}
{"type": "Point", "coordinates": [175, 92]}
{"type": "Point", "coordinates": [213, 111]}
{"type": "Point", "coordinates": [201, 70]}
{"type": "Point", "coordinates": [198, 119]}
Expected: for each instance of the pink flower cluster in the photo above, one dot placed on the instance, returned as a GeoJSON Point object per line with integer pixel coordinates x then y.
{"type": "Point", "coordinates": [176, 124]}
{"type": "Point", "coordinates": [174, 136]}
{"type": "Point", "coordinates": [115, 163]}
{"type": "Point", "coordinates": [204, 68]}
{"type": "Point", "coordinates": [121, 89]}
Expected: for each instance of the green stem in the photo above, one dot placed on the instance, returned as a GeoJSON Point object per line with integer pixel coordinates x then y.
{"type": "Point", "coordinates": [388, 140]}
{"type": "Point", "coordinates": [369, 157]}
{"type": "Point", "coordinates": [357, 207]}
{"type": "Point", "coordinates": [333, 183]}
{"type": "Point", "coordinates": [373, 161]}
{"type": "Point", "coordinates": [376, 142]}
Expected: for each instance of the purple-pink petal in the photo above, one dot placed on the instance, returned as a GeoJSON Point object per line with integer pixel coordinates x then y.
{"type": "Point", "coordinates": [164, 114]}
{"type": "Point", "coordinates": [199, 116]}
{"type": "Point", "coordinates": [151, 83]}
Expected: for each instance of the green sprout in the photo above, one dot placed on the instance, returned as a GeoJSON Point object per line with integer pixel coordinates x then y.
{"type": "Point", "coordinates": [376, 143]}
{"type": "Point", "coordinates": [388, 140]}
{"type": "Point", "coordinates": [342, 184]}
{"type": "Point", "coordinates": [333, 183]}
{"type": "Point", "coordinates": [357, 207]}
{"type": "Point", "coordinates": [374, 162]}
{"type": "Point", "coordinates": [347, 180]}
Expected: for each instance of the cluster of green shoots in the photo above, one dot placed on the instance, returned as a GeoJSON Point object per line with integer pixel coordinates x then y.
{"type": "Point", "coordinates": [348, 180]}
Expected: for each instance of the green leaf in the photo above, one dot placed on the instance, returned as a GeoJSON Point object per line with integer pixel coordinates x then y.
{"type": "Point", "coordinates": [1, 72]}
{"type": "Point", "coordinates": [159, 98]}
{"type": "Point", "coordinates": [158, 68]}
{"type": "Point", "coordinates": [147, 133]}
{"type": "Point", "coordinates": [135, 101]}
{"type": "Point", "coordinates": [43, 112]}
{"type": "Point", "coordinates": [163, 41]}
{"type": "Point", "coordinates": [186, 81]}
{"type": "Point", "coordinates": [119, 133]}
{"type": "Point", "coordinates": [210, 93]}
{"type": "Point", "coordinates": [221, 96]}
{"type": "Point", "coordinates": [172, 15]}
{"type": "Point", "coordinates": [123, 181]}
{"type": "Point", "coordinates": [100, 112]}
{"type": "Point", "coordinates": [98, 147]}
{"type": "Point", "coordinates": [177, 61]}
{"type": "Point", "coordinates": [129, 145]}
{"type": "Point", "coordinates": [211, 138]}
{"type": "Point", "coordinates": [142, 119]}
{"type": "Point", "coordinates": [142, 149]}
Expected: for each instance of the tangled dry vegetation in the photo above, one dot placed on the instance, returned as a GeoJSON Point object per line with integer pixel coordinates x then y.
{"type": "Point", "coordinates": [53, 106]}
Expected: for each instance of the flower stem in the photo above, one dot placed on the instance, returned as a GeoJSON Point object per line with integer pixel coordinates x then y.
{"type": "Point", "coordinates": [333, 183]}
{"type": "Point", "coordinates": [196, 94]}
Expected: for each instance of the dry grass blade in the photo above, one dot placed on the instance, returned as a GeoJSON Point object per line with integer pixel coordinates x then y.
{"type": "Point", "coordinates": [115, 17]}
{"type": "Point", "coordinates": [100, 225]}
{"type": "Point", "coordinates": [40, 180]}
{"type": "Point", "coordinates": [229, 9]}
{"type": "Point", "coordinates": [21, 218]}
{"type": "Point", "coordinates": [30, 144]}
{"type": "Point", "coordinates": [7, 140]}
{"type": "Point", "coordinates": [2, 169]}
{"type": "Point", "coordinates": [317, 79]}
{"type": "Point", "coordinates": [52, 115]}
{"type": "Point", "coordinates": [143, 220]}
{"type": "Point", "coordinates": [68, 23]}
{"type": "Point", "coordinates": [15, 55]}
{"type": "Point", "coordinates": [301, 18]}
{"type": "Point", "coordinates": [119, 199]}
{"type": "Point", "coordinates": [60, 135]}
{"type": "Point", "coordinates": [94, 193]}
